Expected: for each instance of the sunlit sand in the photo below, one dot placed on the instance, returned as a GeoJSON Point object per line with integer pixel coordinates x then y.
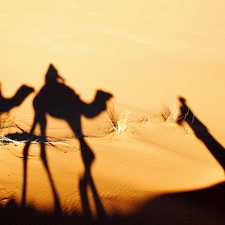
{"type": "Point", "coordinates": [112, 112]}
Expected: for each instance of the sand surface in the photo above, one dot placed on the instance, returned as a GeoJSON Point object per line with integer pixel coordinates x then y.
{"type": "Point", "coordinates": [65, 65]}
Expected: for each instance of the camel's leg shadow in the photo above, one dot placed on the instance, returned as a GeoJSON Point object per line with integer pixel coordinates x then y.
{"type": "Point", "coordinates": [42, 121]}
{"type": "Point", "coordinates": [87, 180]}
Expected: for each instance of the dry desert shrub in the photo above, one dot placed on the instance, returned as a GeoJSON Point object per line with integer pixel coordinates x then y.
{"type": "Point", "coordinates": [145, 119]}
{"type": "Point", "coordinates": [1, 140]}
{"type": "Point", "coordinates": [169, 115]}
{"type": "Point", "coordinates": [4, 123]}
{"type": "Point", "coordinates": [118, 120]}
{"type": "Point", "coordinates": [172, 116]}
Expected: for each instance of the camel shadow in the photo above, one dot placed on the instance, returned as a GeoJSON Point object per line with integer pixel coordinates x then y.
{"type": "Point", "coordinates": [6, 104]}
{"type": "Point", "coordinates": [60, 101]}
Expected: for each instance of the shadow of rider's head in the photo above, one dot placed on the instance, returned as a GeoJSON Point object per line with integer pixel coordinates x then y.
{"type": "Point", "coordinates": [52, 76]}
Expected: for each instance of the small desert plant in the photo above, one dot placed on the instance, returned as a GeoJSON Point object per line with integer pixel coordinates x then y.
{"type": "Point", "coordinates": [119, 120]}
{"type": "Point", "coordinates": [145, 119]}
{"type": "Point", "coordinates": [4, 123]}
{"type": "Point", "coordinates": [169, 115]}
{"type": "Point", "coordinates": [1, 137]}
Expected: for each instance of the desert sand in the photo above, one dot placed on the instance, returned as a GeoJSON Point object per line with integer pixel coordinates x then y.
{"type": "Point", "coordinates": [66, 65]}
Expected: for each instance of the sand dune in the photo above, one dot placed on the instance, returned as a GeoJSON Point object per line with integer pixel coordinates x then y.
{"type": "Point", "coordinates": [65, 66]}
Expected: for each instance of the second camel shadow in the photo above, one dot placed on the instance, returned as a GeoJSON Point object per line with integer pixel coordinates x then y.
{"type": "Point", "coordinates": [60, 101]}
{"type": "Point", "coordinates": [7, 104]}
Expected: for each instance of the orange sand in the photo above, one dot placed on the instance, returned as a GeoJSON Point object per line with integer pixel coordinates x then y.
{"type": "Point", "coordinates": [144, 53]}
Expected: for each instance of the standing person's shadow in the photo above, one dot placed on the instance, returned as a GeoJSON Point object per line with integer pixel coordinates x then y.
{"type": "Point", "coordinates": [201, 132]}
{"type": "Point", "coordinates": [60, 101]}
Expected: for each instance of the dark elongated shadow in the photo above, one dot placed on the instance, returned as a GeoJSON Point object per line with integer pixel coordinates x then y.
{"type": "Point", "coordinates": [201, 132]}
{"type": "Point", "coordinates": [87, 180]}
{"type": "Point", "coordinates": [199, 207]}
{"type": "Point", "coordinates": [6, 104]}
{"type": "Point", "coordinates": [60, 101]}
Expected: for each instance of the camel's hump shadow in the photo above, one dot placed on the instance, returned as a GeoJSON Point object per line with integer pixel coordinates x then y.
{"type": "Point", "coordinates": [57, 99]}
{"type": "Point", "coordinates": [61, 101]}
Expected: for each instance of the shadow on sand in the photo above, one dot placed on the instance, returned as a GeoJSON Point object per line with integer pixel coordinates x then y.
{"type": "Point", "coordinates": [6, 104]}
{"type": "Point", "coordinates": [201, 132]}
{"type": "Point", "coordinates": [57, 99]}
{"type": "Point", "coordinates": [199, 207]}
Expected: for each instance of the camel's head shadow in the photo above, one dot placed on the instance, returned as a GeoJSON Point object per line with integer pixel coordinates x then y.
{"type": "Point", "coordinates": [102, 98]}
{"type": "Point", "coordinates": [21, 94]}
{"type": "Point", "coordinates": [98, 105]}
{"type": "Point", "coordinates": [25, 90]}
{"type": "Point", "coordinates": [105, 96]}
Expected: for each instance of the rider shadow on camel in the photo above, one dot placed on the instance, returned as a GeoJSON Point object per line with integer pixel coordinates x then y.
{"type": "Point", "coordinates": [58, 100]}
